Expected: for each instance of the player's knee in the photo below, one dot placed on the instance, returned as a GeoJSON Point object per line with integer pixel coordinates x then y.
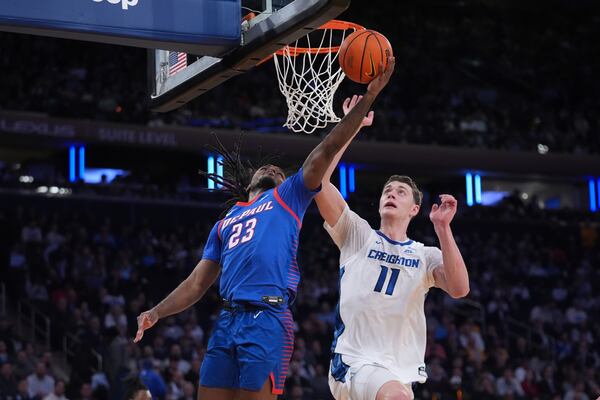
{"type": "Point", "coordinates": [393, 391]}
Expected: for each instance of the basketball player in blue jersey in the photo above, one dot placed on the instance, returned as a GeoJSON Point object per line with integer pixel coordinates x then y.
{"type": "Point", "coordinates": [253, 248]}
{"type": "Point", "coordinates": [379, 341]}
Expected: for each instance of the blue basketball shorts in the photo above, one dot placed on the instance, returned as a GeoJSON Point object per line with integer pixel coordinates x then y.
{"type": "Point", "coordinates": [248, 347]}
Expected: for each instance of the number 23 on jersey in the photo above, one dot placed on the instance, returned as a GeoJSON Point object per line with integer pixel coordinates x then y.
{"type": "Point", "coordinates": [242, 233]}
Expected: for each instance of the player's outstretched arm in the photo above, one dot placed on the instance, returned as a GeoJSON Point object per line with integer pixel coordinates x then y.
{"type": "Point", "coordinates": [319, 160]}
{"type": "Point", "coordinates": [184, 296]}
{"type": "Point", "coordinates": [330, 202]}
{"type": "Point", "coordinates": [452, 276]}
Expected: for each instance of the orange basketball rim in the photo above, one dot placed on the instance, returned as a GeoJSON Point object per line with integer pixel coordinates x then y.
{"type": "Point", "coordinates": [308, 75]}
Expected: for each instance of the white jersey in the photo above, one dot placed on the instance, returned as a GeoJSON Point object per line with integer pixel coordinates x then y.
{"type": "Point", "coordinates": [383, 283]}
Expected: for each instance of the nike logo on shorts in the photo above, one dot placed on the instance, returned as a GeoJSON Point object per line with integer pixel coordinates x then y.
{"type": "Point", "coordinates": [257, 314]}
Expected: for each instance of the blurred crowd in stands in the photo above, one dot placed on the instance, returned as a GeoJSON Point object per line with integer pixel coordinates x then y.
{"type": "Point", "coordinates": [529, 329]}
{"type": "Point", "coordinates": [49, 180]}
{"type": "Point", "coordinates": [516, 79]}
{"type": "Point", "coordinates": [522, 78]}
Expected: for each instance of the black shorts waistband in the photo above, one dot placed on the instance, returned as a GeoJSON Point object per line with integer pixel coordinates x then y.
{"type": "Point", "coordinates": [245, 305]}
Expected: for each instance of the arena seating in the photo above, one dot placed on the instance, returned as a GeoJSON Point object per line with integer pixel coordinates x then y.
{"type": "Point", "coordinates": [527, 329]}
{"type": "Point", "coordinates": [469, 76]}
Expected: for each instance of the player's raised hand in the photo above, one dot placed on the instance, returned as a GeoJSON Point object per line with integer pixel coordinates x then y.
{"type": "Point", "coordinates": [145, 320]}
{"type": "Point", "coordinates": [441, 215]}
{"type": "Point", "coordinates": [349, 104]}
{"type": "Point", "coordinates": [382, 78]}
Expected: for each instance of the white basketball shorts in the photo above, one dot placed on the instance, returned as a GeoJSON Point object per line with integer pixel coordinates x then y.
{"type": "Point", "coordinates": [362, 381]}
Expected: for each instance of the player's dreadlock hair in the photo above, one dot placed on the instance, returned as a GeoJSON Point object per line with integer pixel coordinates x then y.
{"type": "Point", "coordinates": [237, 173]}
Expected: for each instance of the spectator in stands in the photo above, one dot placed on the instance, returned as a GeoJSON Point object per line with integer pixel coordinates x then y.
{"type": "Point", "coordinates": [36, 290]}
{"type": "Point", "coordinates": [116, 358]}
{"type": "Point", "coordinates": [577, 392]}
{"type": "Point", "coordinates": [136, 390]}
{"type": "Point", "coordinates": [8, 382]}
{"type": "Point", "coordinates": [173, 331]}
{"type": "Point", "coordinates": [485, 387]}
{"type": "Point", "coordinates": [23, 391]}
{"type": "Point", "coordinates": [153, 380]}
{"type": "Point", "coordinates": [6, 333]}
{"type": "Point", "coordinates": [297, 393]}
{"type": "Point", "coordinates": [176, 361]}
{"type": "Point", "coordinates": [86, 392]}
{"type": "Point", "coordinates": [18, 265]}
{"type": "Point", "coordinates": [189, 391]}
{"type": "Point", "coordinates": [194, 331]}
{"type": "Point", "coordinates": [530, 387]}
{"type": "Point", "coordinates": [115, 317]}
{"type": "Point", "coordinates": [53, 241]}
{"type": "Point", "coordinates": [193, 374]}
{"type": "Point", "coordinates": [40, 384]}
{"type": "Point", "coordinates": [176, 384]}
{"type": "Point", "coordinates": [31, 233]}
{"type": "Point", "coordinates": [25, 365]}
{"type": "Point", "coordinates": [3, 352]}
{"type": "Point", "coordinates": [58, 393]}
{"type": "Point", "coordinates": [548, 385]}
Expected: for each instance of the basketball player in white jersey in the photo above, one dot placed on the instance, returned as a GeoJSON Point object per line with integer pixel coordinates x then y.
{"type": "Point", "coordinates": [379, 341]}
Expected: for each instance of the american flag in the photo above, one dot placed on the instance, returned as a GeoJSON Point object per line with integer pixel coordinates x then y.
{"type": "Point", "coordinates": [177, 62]}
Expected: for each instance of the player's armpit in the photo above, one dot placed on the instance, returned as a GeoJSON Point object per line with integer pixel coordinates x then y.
{"type": "Point", "coordinates": [331, 204]}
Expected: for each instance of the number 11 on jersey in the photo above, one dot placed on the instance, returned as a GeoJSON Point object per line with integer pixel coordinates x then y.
{"type": "Point", "coordinates": [246, 228]}
{"type": "Point", "coordinates": [391, 284]}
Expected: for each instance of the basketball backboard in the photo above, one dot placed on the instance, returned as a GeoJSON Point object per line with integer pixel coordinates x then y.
{"type": "Point", "coordinates": [194, 26]}
{"type": "Point", "coordinates": [277, 23]}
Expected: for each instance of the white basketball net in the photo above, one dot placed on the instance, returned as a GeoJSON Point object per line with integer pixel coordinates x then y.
{"type": "Point", "coordinates": [308, 80]}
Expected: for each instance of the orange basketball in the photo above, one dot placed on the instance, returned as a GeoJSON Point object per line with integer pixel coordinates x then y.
{"type": "Point", "coordinates": [361, 54]}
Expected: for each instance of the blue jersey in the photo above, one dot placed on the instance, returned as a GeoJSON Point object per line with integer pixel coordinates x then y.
{"type": "Point", "coordinates": [256, 243]}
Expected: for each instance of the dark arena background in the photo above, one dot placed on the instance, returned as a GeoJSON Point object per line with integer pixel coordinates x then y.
{"type": "Point", "coordinates": [103, 211]}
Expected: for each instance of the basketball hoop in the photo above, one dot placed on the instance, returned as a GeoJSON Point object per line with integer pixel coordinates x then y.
{"type": "Point", "coordinates": [309, 75]}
